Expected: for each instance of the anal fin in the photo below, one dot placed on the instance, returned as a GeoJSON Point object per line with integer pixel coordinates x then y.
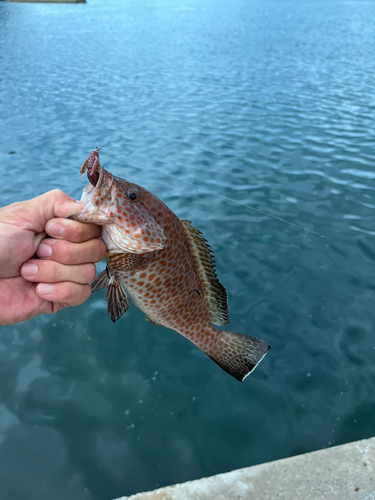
{"type": "Point", "coordinates": [100, 281]}
{"type": "Point", "coordinates": [152, 321]}
{"type": "Point", "coordinates": [117, 299]}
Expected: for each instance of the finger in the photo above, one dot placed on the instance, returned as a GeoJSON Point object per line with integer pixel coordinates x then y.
{"type": "Point", "coordinates": [70, 253]}
{"type": "Point", "coordinates": [59, 204]}
{"type": "Point", "coordinates": [72, 230]}
{"type": "Point", "coordinates": [68, 293]}
{"type": "Point", "coordinates": [35, 213]}
{"type": "Point", "coordinates": [49, 271]}
{"type": "Point", "coordinates": [38, 238]}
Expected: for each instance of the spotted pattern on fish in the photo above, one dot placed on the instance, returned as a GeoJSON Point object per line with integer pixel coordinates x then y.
{"type": "Point", "coordinates": [173, 281]}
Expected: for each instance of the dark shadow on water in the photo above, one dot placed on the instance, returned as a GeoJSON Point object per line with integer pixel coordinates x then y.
{"type": "Point", "coordinates": [360, 424]}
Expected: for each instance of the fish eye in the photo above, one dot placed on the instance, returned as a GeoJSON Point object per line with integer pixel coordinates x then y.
{"type": "Point", "coordinates": [133, 195]}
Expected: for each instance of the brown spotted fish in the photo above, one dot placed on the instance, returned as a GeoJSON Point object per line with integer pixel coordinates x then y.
{"type": "Point", "coordinates": [165, 265]}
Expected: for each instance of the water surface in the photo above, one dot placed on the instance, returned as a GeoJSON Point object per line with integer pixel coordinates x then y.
{"type": "Point", "coordinates": [270, 103]}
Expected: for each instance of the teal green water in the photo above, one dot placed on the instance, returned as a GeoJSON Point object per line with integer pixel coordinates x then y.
{"type": "Point", "coordinates": [270, 103]}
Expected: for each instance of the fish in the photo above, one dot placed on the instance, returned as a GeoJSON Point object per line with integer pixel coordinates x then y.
{"type": "Point", "coordinates": [165, 265]}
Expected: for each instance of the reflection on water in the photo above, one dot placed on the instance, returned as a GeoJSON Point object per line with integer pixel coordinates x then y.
{"type": "Point", "coordinates": [269, 103]}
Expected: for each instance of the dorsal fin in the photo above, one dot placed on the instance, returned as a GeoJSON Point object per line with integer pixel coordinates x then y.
{"type": "Point", "coordinates": [214, 293]}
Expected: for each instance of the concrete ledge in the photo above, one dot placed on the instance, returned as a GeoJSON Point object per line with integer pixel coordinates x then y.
{"type": "Point", "coordinates": [345, 472]}
{"type": "Point", "coordinates": [47, 1]}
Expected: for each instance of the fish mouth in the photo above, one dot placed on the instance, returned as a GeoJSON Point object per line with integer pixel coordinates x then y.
{"type": "Point", "coordinates": [93, 177]}
{"type": "Point", "coordinates": [93, 168]}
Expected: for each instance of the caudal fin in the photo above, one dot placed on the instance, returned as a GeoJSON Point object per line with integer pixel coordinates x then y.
{"type": "Point", "coordinates": [238, 354]}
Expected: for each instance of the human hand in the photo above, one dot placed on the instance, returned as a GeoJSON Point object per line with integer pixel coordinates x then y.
{"type": "Point", "coordinates": [40, 274]}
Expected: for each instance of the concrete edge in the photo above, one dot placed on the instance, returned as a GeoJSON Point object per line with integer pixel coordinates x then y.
{"type": "Point", "coordinates": [345, 472]}
{"type": "Point", "coordinates": [46, 1]}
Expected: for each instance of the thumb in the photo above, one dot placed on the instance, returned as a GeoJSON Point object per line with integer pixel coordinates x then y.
{"type": "Point", "coordinates": [35, 213]}
{"type": "Point", "coordinates": [60, 205]}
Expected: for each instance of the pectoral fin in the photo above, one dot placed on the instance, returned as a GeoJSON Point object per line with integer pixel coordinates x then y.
{"type": "Point", "coordinates": [101, 281]}
{"type": "Point", "coordinates": [117, 299]}
{"type": "Point", "coordinates": [124, 261]}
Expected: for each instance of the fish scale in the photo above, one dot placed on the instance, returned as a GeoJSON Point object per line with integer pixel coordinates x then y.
{"type": "Point", "coordinates": [165, 265]}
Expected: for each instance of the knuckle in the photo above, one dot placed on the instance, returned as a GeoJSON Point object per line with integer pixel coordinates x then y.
{"type": "Point", "coordinates": [54, 272]}
{"type": "Point", "coordinates": [91, 272]}
{"type": "Point", "coordinates": [47, 271]}
{"type": "Point", "coordinates": [98, 249]}
{"type": "Point", "coordinates": [57, 193]}
{"type": "Point", "coordinates": [102, 249]}
{"type": "Point", "coordinates": [65, 292]}
{"type": "Point", "coordinates": [86, 292]}
{"type": "Point", "coordinates": [80, 231]}
{"type": "Point", "coordinates": [66, 252]}
{"type": "Point", "coordinates": [77, 294]}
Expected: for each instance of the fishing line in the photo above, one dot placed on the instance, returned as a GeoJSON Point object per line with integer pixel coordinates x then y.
{"type": "Point", "coordinates": [192, 184]}
{"type": "Point", "coordinates": [214, 193]}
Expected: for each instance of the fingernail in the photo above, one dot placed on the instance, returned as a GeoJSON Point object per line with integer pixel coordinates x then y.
{"type": "Point", "coordinates": [45, 288]}
{"type": "Point", "coordinates": [29, 269]}
{"type": "Point", "coordinates": [54, 229]}
{"type": "Point", "coordinates": [44, 250]}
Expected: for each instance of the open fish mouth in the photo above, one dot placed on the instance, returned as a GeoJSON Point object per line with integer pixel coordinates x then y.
{"type": "Point", "coordinates": [100, 181]}
{"type": "Point", "coordinates": [93, 177]}
{"type": "Point", "coordinates": [93, 168]}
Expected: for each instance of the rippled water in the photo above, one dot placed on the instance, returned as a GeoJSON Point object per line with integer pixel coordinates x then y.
{"type": "Point", "coordinates": [270, 103]}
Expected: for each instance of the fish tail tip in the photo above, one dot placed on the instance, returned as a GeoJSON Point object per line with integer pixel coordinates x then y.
{"type": "Point", "coordinates": [239, 354]}
{"type": "Point", "coordinates": [267, 348]}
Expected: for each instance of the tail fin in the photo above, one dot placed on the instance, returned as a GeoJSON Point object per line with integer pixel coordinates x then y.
{"type": "Point", "coordinates": [238, 354]}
